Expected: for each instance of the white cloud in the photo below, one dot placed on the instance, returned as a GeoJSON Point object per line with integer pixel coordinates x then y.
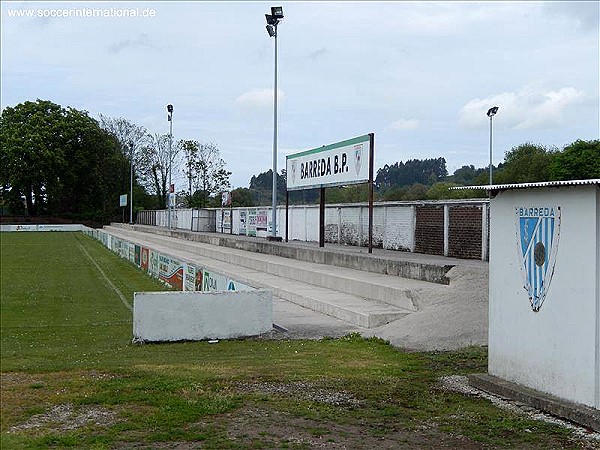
{"type": "Point", "coordinates": [258, 99]}
{"type": "Point", "coordinates": [404, 124]}
{"type": "Point", "coordinates": [530, 107]}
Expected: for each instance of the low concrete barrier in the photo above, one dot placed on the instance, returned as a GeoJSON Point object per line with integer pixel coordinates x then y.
{"type": "Point", "coordinates": [181, 316]}
{"type": "Point", "coordinates": [42, 227]}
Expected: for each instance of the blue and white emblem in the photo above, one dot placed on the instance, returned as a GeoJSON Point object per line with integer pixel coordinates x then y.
{"type": "Point", "coordinates": [538, 232]}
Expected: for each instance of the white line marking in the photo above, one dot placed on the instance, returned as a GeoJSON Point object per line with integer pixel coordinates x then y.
{"type": "Point", "coordinates": [110, 283]}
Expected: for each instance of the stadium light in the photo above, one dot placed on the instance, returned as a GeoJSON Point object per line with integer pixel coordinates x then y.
{"type": "Point", "coordinates": [170, 119]}
{"type": "Point", "coordinates": [273, 20]}
{"type": "Point", "coordinates": [491, 113]}
{"type": "Point", "coordinates": [131, 184]}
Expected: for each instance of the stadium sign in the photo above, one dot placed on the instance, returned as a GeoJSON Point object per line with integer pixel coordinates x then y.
{"type": "Point", "coordinates": [339, 164]}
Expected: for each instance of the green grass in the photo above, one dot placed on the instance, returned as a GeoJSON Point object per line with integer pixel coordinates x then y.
{"type": "Point", "coordinates": [66, 340]}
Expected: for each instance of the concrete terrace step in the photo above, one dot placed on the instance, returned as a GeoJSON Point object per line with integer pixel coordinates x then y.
{"type": "Point", "coordinates": [350, 308]}
{"type": "Point", "coordinates": [382, 264]}
{"type": "Point", "coordinates": [384, 288]}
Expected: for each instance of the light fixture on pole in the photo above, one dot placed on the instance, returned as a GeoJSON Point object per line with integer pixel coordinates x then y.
{"type": "Point", "coordinates": [273, 20]}
{"type": "Point", "coordinates": [491, 112]}
{"type": "Point", "coordinates": [131, 183]}
{"type": "Point", "coordinates": [170, 119]}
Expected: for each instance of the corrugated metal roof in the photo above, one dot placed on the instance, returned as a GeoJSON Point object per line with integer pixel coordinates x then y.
{"type": "Point", "coordinates": [502, 187]}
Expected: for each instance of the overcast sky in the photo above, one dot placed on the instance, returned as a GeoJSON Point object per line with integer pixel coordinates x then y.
{"type": "Point", "coordinates": [420, 75]}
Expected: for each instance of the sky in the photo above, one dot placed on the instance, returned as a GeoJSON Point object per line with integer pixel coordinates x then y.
{"type": "Point", "coordinates": [420, 75]}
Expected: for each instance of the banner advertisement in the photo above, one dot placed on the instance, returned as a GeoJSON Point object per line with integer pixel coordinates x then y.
{"type": "Point", "coordinates": [252, 222]}
{"type": "Point", "coordinates": [227, 219]}
{"type": "Point", "coordinates": [213, 282]}
{"type": "Point", "coordinates": [261, 219]}
{"type": "Point", "coordinates": [154, 263]}
{"type": "Point", "coordinates": [145, 259]}
{"type": "Point", "coordinates": [138, 256]}
{"type": "Point", "coordinates": [189, 278]}
{"type": "Point", "coordinates": [242, 222]}
{"type": "Point", "coordinates": [171, 271]}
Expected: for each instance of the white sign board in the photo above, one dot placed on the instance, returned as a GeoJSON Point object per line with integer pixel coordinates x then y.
{"type": "Point", "coordinates": [338, 164]}
{"type": "Point", "coordinates": [123, 200]}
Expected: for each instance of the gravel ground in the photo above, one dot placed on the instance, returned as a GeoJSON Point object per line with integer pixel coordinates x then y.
{"type": "Point", "coordinates": [458, 383]}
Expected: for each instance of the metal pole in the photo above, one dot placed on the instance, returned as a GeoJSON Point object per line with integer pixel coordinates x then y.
{"type": "Point", "coordinates": [491, 150]}
{"type": "Point", "coordinates": [274, 200]}
{"type": "Point", "coordinates": [169, 190]}
{"type": "Point", "coordinates": [371, 179]}
{"type": "Point", "coordinates": [131, 187]}
{"type": "Point", "coordinates": [322, 218]}
{"type": "Point", "coordinates": [287, 215]}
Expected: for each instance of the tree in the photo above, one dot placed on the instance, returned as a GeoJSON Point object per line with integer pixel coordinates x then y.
{"type": "Point", "coordinates": [441, 190]}
{"type": "Point", "coordinates": [126, 133]}
{"type": "Point", "coordinates": [60, 161]}
{"type": "Point", "coordinates": [577, 161]}
{"type": "Point", "coordinates": [211, 177]}
{"type": "Point", "coordinates": [189, 150]}
{"type": "Point", "coordinates": [427, 171]}
{"type": "Point", "coordinates": [262, 186]}
{"type": "Point", "coordinates": [242, 197]}
{"type": "Point", "coordinates": [526, 163]}
{"type": "Point", "coordinates": [466, 175]}
{"type": "Point", "coordinates": [154, 166]}
{"type": "Point", "coordinates": [32, 149]}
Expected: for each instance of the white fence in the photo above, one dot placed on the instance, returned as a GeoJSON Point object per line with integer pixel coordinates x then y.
{"type": "Point", "coordinates": [396, 225]}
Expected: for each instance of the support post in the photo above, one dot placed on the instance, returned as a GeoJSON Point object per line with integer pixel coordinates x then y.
{"type": "Point", "coordinates": [371, 162]}
{"type": "Point", "coordinates": [322, 218]}
{"type": "Point", "coordinates": [287, 213]}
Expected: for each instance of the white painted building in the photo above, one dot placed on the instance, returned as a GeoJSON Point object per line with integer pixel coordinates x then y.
{"type": "Point", "coordinates": [544, 312]}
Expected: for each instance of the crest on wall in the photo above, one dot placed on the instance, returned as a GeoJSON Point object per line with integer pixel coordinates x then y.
{"type": "Point", "coordinates": [358, 150]}
{"type": "Point", "coordinates": [538, 233]}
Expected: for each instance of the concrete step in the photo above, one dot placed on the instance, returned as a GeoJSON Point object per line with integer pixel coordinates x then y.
{"type": "Point", "coordinates": [381, 264]}
{"type": "Point", "coordinates": [384, 288]}
{"type": "Point", "coordinates": [350, 308]}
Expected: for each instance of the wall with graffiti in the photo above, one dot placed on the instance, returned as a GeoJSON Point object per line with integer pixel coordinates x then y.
{"type": "Point", "coordinates": [179, 274]}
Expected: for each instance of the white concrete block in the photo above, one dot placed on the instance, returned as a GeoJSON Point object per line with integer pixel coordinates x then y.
{"type": "Point", "coordinates": [178, 316]}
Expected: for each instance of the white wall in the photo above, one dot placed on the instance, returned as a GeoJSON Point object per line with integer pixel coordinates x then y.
{"type": "Point", "coordinates": [556, 349]}
{"type": "Point", "coordinates": [177, 316]}
{"type": "Point", "coordinates": [393, 222]}
{"type": "Point", "coordinates": [43, 227]}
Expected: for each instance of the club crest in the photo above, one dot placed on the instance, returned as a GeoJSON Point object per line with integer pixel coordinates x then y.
{"type": "Point", "coordinates": [293, 172]}
{"type": "Point", "coordinates": [538, 233]}
{"type": "Point", "coordinates": [358, 149]}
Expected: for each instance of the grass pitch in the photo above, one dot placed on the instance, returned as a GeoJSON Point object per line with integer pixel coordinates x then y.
{"type": "Point", "coordinates": [71, 378]}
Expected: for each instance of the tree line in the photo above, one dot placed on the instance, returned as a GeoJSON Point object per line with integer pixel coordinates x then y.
{"type": "Point", "coordinates": [60, 161]}
{"type": "Point", "coordinates": [428, 179]}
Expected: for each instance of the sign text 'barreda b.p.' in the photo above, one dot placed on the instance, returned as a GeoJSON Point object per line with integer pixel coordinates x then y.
{"type": "Point", "coordinates": [338, 164]}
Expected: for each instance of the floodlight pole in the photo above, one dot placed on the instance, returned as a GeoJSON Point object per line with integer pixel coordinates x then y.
{"type": "Point", "coordinates": [491, 112]}
{"type": "Point", "coordinates": [491, 117]}
{"type": "Point", "coordinates": [272, 22]}
{"type": "Point", "coordinates": [131, 184]}
{"type": "Point", "coordinates": [274, 199]}
{"type": "Point", "coordinates": [169, 207]}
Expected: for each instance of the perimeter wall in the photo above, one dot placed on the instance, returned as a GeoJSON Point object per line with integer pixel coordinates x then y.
{"type": "Point", "coordinates": [449, 228]}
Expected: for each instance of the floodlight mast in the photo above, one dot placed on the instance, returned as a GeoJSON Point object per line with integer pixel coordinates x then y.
{"type": "Point", "coordinates": [170, 119]}
{"type": "Point", "coordinates": [131, 183]}
{"type": "Point", "coordinates": [273, 20]}
{"type": "Point", "coordinates": [491, 113]}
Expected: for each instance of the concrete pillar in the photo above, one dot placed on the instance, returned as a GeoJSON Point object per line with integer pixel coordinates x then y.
{"type": "Point", "coordinates": [446, 228]}
{"type": "Point", "coordinates": [485, 215]}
